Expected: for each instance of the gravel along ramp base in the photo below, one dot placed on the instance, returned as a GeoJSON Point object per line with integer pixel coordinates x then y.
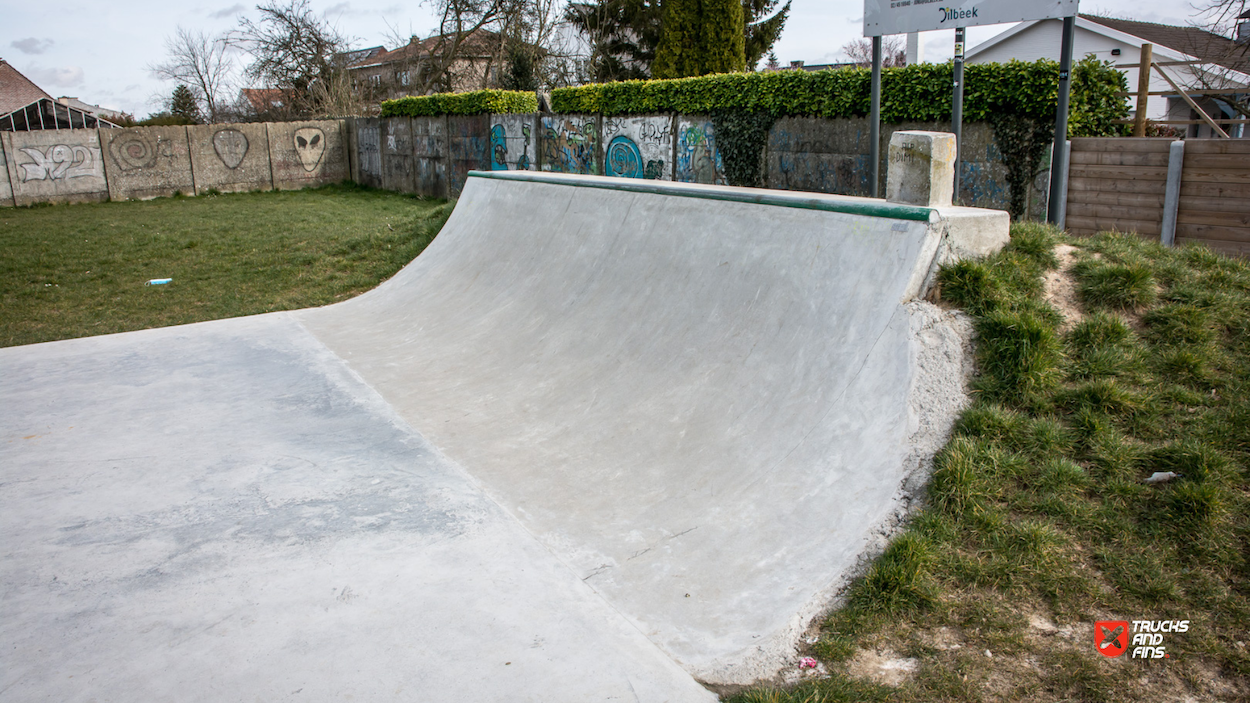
{"type": "Point", "coordinates": [705, 401]}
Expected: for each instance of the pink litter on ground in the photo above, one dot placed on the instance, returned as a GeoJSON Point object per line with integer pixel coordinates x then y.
{"type": "Point", "coordinates": [807, 663]}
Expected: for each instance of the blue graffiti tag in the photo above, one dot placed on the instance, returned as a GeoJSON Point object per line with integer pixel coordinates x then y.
{"type": "Point", "coordinates": [498, 148]}
{"type": "Point", "coordinates": [624, 158]}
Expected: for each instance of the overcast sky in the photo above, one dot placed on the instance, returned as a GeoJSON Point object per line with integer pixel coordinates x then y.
{"type": "Point", "coordinates": [100, 52]}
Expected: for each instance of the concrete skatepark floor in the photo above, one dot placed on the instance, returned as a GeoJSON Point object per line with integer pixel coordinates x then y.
{"type": "Point", "coordinates": [598, 466]}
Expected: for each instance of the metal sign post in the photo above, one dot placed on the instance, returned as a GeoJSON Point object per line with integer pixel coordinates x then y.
{"type": "Point", "coordinates": [874, 133]}
{"type": "Point", "coordinates": [883, 17]}
{"type": "Point", "coordinates": [1059, 152]}
{"type": "Point", "coordinates": [957, 103]}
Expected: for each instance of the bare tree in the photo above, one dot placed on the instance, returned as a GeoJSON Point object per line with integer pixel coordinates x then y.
{"type": "Point", "coordinates": [202, 64]}
{"type": "Point", "coordinates": [465, 23]}
{"type": "Point", "coordinates": [1221, 13]}
{"type": "Point", "coordinates": [520, 44]}
{"type": "Point", "coordinates": [297, 52]}
{"type": "Point", "coordinates": [1227, 61]}
{"type": "Point", "coordinates": [893, 52]}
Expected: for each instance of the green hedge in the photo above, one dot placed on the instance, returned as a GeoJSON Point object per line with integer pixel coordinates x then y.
{"type": "Point", "coordinates": [480, 102]}
{"type": "Point", "coordinates": [920, 93]}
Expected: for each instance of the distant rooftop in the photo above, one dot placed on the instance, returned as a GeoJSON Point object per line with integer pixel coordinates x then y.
{"type": "Point", "coordinates": [1197, 42]}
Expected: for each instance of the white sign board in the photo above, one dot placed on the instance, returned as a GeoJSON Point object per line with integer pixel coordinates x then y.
{"type": "Point", "coordinates": [883, 17]}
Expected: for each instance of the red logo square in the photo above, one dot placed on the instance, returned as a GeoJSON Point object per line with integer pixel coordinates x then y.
{"type": "Point", "coordinates": [1111, 637]}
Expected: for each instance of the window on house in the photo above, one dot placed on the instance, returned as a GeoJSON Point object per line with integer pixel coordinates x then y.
{"type": "Point", "coordinates": [403, 77]}
{"type": "Point", "coordinates": [375, 79]}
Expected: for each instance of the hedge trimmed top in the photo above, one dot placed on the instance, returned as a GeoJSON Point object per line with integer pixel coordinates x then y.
{"type": "Point", "coordinates": [480, 102]}
{"type": "Point", "coordinates": [919, 93]}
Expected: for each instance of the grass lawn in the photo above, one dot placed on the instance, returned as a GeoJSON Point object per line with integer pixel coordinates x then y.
{"type": "Point", "coordinates": [1038, 522]}
{"type": "Point", "coordinates": [78, 270]}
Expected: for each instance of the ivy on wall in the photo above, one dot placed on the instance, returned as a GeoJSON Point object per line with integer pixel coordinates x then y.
{"type": "Point", "coordinates": [740, 139]}
{"type": "Point", "coordinates": [919, 93]}
{"type": "Point", "coordinates": [1023, 142]}
{"type": "Point", "coordinates": [480, 102]}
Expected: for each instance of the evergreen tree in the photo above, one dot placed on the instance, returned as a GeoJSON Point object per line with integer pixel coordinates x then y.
{"type": "Point", "coordinates": [520, 66]}
{"type": "Point", "coordinates": [183, 105]}
{"type": "Point", "coordinates": [624, 34]}
{"type": "Point", "coordinates": [699, 37]}
{"type": "Point", "coordinates": [762, 31]}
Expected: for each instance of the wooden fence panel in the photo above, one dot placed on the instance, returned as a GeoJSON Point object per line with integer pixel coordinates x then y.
{"type": "Point", "coordinates": [1214, 206]}
{"type": "Point", "coordinates": [1119, 184]}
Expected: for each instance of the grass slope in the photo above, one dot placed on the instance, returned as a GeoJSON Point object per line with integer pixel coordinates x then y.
{"type": "Point", "coordinates": [73, 271]}
{"type": "Point", "coordinates": [1037, 521]}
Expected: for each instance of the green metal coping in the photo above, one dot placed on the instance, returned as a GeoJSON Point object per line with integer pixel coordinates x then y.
{"type": "Point", "coordinates": [864, 206]}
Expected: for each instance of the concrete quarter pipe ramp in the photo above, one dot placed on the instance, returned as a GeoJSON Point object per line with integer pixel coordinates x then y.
{"type": "Point", "coordinates": [599, 438]}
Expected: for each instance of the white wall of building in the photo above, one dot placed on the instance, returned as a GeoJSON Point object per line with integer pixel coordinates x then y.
{"type": "Point", "coordinates": [1043, 40]}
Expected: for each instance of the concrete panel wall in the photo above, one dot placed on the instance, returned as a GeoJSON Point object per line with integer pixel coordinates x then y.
{"type": "Point", "coordinates": [429, 141]}
{"type": "Point", "coordinates": [230, 158]}
{"type": "Point", "coordinates": [399, 168]}
{"type": "Point", "coordinates": [305, 154]}
{"type": "Point", "coordinates": [147, 162]}
{"type": "Point", "coordinates": [57, 166]}
{"type": "Point", "coordinates": [698, 160]}
{"type": "Point", "coordinates": [570, 144]}
{"type": "Point", "coordinates": [513, 143]}
{"type": "Point", "coordinates": [638, 147]}
{"type": "Point", "coordinates": [468, 146]}
{"type": "Point", "coordinates": [819, 155]}
{"type": "Point", "coordinates": [6, 190]}
{"type": "Point", "coordinates": [369, 151]}
{"type": "Point", "coordinates": [831, 156]}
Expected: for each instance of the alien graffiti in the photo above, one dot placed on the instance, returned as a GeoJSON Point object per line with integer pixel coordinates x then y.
{"type": "Point", "coordinates": [310, 145]}
{"type": "Point", "coordinates": [231, 147]}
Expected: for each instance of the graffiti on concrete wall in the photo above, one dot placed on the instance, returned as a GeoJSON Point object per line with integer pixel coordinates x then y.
{"type": "Point", "coordinates": [698, 161]}
{"type": "Point", "coordinates": [569, 144]}
{"type": "Point", "coordinates": [638, 147]}
{"type": "Point", "coordinates": [310, 146]}
{"type": "Point", "coordinates": [369, 142]}
{"type": "Point", "coordinates": [511, 143]}
{"type": "Point", "coordinates": [231, 146]}
{"type": "Point", "coordinates": [60, 162]}
{"type": "Point", "coordinates": [845, 174]}
{"type": "Point", "coordinates": [135, 150]}
{"type": "Point", "coordinates": [623, 158]}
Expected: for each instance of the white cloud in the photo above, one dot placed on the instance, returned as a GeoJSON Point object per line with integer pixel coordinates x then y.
{"type": "Point", "coordinates": [65, 77]}
{"type": "Point", "coordinates": [227, 12]}
{"type": "Point", "coordinates": [31, 45]}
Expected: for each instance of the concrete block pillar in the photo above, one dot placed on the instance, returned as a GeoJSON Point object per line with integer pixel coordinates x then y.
{"type": "Point", "coordinates": [921, 168]}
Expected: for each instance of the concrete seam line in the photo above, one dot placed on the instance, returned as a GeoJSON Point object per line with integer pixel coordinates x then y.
{"type": "Point", "coordinates": [808, 201]}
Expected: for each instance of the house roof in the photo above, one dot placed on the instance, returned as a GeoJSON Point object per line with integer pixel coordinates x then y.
{"type": "Point", "coordinates": [1198, 43]}
{"type": "Point", "coordinates": [96, 110]}
{"type": "Point", "coordinates": [359, 55]}
{"type": "Point", "coordinates": [478, 43]}
{"type": "Point", "coordinates": [16, 91]}
{"type": "Point", "coordinates": [263, 99]}
{"type": "Point", "coordinates": [1209, 45]}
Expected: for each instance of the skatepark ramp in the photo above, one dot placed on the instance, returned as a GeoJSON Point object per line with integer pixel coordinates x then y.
{"type": "Point", "coordinates": [702, 399]}
{"type": "Point", "coordinates": [601, 439]}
